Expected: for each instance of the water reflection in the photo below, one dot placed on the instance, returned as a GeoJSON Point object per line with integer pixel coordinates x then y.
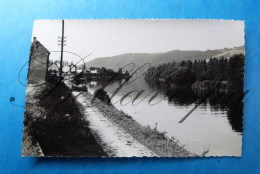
{"type": "Point", "coordinates": [216, 123]}
{"type": "Point", "coordinates": [232, 103]}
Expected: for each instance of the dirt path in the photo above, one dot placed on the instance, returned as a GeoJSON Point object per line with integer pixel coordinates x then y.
{"type": "Point", "coordinates": [114, 140]}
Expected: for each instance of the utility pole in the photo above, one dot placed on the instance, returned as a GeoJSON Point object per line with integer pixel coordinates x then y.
{"type": "Point", "coordinates": [61, 56]}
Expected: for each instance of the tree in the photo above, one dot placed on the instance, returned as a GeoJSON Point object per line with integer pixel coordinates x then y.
{"type": "Point", "coordinates": [127, 73]}
{"type": "Point", "coordinates": [103, 69]}
{"type": "Point", "coordinates": [183, 76]}
{"type": "Point", "coordinates": [120, 71]}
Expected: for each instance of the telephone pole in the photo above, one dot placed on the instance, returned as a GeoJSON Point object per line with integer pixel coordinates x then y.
{"type": "Point", "coordinates": [61, 56]}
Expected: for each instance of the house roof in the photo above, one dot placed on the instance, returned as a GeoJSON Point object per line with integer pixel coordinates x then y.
{"type": "Point", "coordinates": [37, 43]}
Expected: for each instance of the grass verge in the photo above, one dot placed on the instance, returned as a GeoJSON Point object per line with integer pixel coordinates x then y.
{"type": "Point", "coordinates": [156, 141]}
{"type": "Point", "coordinates": [53, 126]}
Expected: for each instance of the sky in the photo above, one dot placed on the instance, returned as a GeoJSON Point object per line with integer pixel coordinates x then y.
{"type": "Point", "coordinates": [110, 37]}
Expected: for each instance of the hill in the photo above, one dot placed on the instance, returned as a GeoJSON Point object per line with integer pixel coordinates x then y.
{"type": "Point", "coordinates": [230, 52]}
{"type": "Point", "coordinates": [155, 59]}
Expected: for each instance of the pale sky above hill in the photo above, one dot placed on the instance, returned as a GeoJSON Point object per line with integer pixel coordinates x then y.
{"type": "Point", "coordinates": [104, 38]}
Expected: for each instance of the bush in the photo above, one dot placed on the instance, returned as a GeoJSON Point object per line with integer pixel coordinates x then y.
{"type": "Point", "coordinates": [102, 95]}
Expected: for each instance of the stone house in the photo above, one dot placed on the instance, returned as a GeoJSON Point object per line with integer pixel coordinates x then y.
{"type": "Point", "coordinates": [38, 63]}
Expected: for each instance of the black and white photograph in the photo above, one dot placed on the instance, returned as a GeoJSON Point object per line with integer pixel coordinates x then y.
{"type": "Point", "coordinates": [134, 88]}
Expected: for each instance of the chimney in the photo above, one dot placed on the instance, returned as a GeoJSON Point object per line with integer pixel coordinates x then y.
{"type": "Point", "coordinates": [34, 39]}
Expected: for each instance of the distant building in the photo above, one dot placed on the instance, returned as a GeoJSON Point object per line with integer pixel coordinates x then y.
{"type": "Point", "coordinates": [69, 69]}
{"type": "Point", "coordinates": [38, 62]}
{"type": "Point", "coordinates": [65, 63]}
{"type": "Point", "coordinates": [66, 69]}
{"type": "Point", "coordinates": [78, 71]}
{"type": "Point", "coordinates": [56, 62]}
{"type": "Point", "coordinates": [94, 71]}
{"type": "Point", "coordinates": [53, 65]}
{"type": "Point", "coordinates": [73, 68]}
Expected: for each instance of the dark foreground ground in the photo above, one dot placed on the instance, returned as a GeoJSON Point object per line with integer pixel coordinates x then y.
{"type": "Point", "coordinates": [56, 125]}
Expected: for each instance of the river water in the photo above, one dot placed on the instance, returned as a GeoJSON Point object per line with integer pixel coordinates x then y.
{"type": "Point", "coordinates": [216, 127]}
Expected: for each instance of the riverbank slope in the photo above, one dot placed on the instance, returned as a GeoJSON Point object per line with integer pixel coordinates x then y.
{"type": "Point", "coordinates": [155, 141]}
